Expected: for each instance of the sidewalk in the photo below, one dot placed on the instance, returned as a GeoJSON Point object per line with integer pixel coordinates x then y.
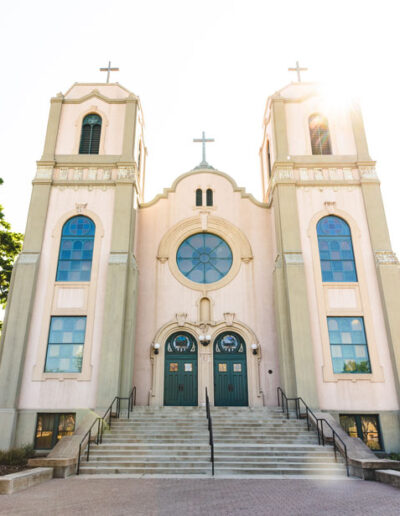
{"type": "Point", "coordinates": [220, 497]}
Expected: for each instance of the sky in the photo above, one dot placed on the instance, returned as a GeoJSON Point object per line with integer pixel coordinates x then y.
{"type": "Point", "coordinates": [208, 65]}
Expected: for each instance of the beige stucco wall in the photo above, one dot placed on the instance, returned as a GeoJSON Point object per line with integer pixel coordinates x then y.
{"type": "Point", "coordinates": [249, 295]}
{"type": "Point", "coordinates": [351, 394]}
{"type": "Point", "coordinates": [53, 393]}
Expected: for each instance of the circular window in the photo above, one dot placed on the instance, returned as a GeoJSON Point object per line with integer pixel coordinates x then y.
{"type": "Point", "coordinates": [204, 258]}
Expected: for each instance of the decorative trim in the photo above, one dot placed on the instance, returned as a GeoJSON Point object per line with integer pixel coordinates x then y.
{"type": "Point", "coordinates": [235, 238]}
{"type": "Point", "coordinates": [43, 172]}
{"type": "Point", "coordinates": [294, 258]}
{"type": "Point", "coordinates": [386, 258]}
{"type": "Point", "coordinates": [368, 173]}
{"type": "Point", "coordinates": [229, 318]}
{"type": "Point", "coordinates": [181, 319]}
{"type": "Point", "coordinates": [80, 206]}
{"type": "Point", "coordinates": [118, 258]}
{"type": "Point", "coordinates": [28, 258]}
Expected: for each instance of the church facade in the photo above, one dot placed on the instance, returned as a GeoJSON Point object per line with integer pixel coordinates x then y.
{"type": "Point", "coordinates": [204, 286]}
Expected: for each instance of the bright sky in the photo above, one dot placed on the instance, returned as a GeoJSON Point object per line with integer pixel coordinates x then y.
{"type": "Point", "coordinates": [196, 65]}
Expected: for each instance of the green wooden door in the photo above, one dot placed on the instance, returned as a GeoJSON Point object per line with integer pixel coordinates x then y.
{"type": "Point", "coordinates": [180, 378]}
{"type": "Point", "coordinates": [230, 371]}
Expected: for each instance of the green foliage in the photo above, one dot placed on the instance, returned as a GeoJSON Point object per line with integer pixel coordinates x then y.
{"type": "Point", "coordinates": [394, 456]}
{"type": "Point", "coordinates": [352, 367]}
{"type": "Point", "coordinates": [17, 456]}
{"type": "Point", "coordinates": [10, 247]}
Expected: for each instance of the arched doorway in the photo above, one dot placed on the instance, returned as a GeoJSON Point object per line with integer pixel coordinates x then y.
{"type": "Point", "coordinates": [180, 377]}
{"type": "Point", "coordinates": [230, 370]}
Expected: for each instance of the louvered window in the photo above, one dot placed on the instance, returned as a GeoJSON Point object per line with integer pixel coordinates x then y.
{"type": "Point", "coordinates": [209, 195]}
{"type": "Point", "coordinates": [90, 137]}
{"type": "Point", "coordinates": [319, 134]}
{"type": "Point", "coordinates": [199, 197]}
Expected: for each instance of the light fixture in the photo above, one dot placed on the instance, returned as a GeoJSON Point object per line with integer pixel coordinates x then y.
{"type": "Point", "coordinates": [254, 347]}
{"type": "Point", "coordinates": [203, 339]}
{"type": "Point", "coordinates": [156, 346]}
{"type": "Point", "coordinates": [208, 338]}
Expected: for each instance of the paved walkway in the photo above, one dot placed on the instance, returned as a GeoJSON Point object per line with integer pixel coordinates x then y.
{"type": "Point", "coordinates": [220, 497]}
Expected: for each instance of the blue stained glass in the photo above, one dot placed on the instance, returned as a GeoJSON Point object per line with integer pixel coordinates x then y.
{"type": "Point", "coordinates": [76, 250]}
{"type": "Point", "coordinates": [349, 349]}
{"type": "Point", "coordinates": [65, 345]}
{"type": "Point", "coordinates": [204, 258]}
{"type": "Point", "coordinates": [336, 250]}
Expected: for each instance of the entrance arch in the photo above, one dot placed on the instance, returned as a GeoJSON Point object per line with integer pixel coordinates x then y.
{"type": "Point", "coordinates": [230, 370]}
{"type": "Point", "coordinates": [180, 371]}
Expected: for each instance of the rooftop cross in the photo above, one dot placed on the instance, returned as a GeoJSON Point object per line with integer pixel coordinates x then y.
{"type": "Point", "coordinates": [108, 70]}
{"type": "Point", "coordinates": [298, 70]}
{"type": "Point", "coordinates": [203, 140]}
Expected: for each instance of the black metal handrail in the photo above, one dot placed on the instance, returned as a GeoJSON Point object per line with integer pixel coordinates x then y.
{"type": "Point", "coordinates": [317, 422]}
{"type": "Point", "coordinates": [102, 423]}
{"type": "Point", "coordinates": [210, 431]}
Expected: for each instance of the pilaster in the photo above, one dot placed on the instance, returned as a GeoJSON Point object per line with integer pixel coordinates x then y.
{"type": "Point", "coordinates": [296, 348]}
{"type": "Point", "coordinates": [387, 268]}
{"type": "Point", "coordinates": [280, 130]}
{"type": "Point", "coordinates": [19, 310]}
{"type": "Point", "coordinates": [116, 356]}
{"type": "Point", "coordinates": [128, 143]}
{"type": "Point", "coordinates": [52, 128]}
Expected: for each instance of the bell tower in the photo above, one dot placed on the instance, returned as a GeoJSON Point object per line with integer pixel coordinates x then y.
{"type": "Point", "coordinates": [315, 163]}
{"type": "Point", "coordinates": [93, 167]}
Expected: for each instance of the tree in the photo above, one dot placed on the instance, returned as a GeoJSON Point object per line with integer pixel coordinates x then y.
{"type": "Point", "coordinates": [10, 247]}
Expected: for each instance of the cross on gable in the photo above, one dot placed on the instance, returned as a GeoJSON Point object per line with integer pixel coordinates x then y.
{"type": "Point", "coordinates": [108, 70]}
{"type": "Point", "coordinates": [298, 70]}
{"type": "Point", "coordinates": [203, 140]}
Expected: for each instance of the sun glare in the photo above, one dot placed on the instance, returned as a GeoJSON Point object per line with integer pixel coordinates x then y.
{"type": "Point", "coordinates": [337, 96]}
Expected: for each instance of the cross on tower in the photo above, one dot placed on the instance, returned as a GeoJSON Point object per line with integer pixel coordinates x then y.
{"type": "Point", "coordinates": [203, 140]}
{"type": "Point", "coordinates": [108, 70]}
{"type": "Point", "coordinates": [298, 70]}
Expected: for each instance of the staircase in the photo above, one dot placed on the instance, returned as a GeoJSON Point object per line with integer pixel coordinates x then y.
{"type": "Point", "coordinates": [174, 441]}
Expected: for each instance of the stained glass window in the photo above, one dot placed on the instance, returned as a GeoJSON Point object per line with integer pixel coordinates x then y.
{"type": "Point", "coordinates": [228, 342]}
{"type": "Point", "coordinates": [336, 250]}
{"type": "Point", "coordinates": [349, 349]}
{"type": "Point", "coordinates": [204, 258]}
{"type": "Point", "coordinates": [319, 134]}
{"type": "Point", "coordinates": [90, 136]}
{"type": "Point", "coordinates": [65, 345]}
{"type": "Point", "coordinates": [76, 250]}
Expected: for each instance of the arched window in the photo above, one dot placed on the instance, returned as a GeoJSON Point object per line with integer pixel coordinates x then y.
{"type": "Point", "coordinates": [90, 136]}
{"type": "Point", "coordinates": [199, 197]}
{"type": "Point", "coordinates": [336, 250]}
{"type": "Point", "coordinates": [76, 250]}
{"type": "Point", "coordinates": [209, 195]}
{"type": "Point", "coordinates": [319, 134]}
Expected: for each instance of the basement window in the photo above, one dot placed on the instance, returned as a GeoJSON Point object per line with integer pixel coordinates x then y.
{"type": "Point", "coordinates": [364, 426]}
{"type": "Point", "coordinates": [51, 427]}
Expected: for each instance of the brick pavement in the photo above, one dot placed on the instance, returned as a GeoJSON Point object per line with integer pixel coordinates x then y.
{"type": "Point", "coordinates": [220, 497]}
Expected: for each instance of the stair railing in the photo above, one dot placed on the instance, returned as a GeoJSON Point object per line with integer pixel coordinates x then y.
{"type": "Point", "coordinates": [102, 423]}
{"type": "Point", "coordinates": [210, 431]}
{"type": "Point", "coordinates": [317, 422]}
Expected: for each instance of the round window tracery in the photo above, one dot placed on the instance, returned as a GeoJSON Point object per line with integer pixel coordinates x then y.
{"type": "Point", "coordinates": [204, 258]}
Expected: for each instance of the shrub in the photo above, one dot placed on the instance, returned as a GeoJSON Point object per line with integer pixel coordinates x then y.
{"type": "Point", "coordinates": [17, 456]}
{"type": "Point", "coordinates": [394, 456]}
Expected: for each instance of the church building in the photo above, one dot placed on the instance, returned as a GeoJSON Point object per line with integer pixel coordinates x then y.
{"type": "Point", "coordinates": [204, 286]}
